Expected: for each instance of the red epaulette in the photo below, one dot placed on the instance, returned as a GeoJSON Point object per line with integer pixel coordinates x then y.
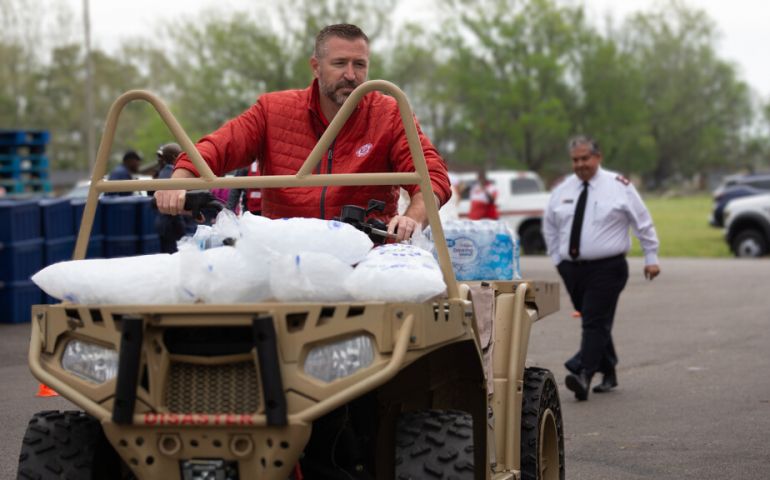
{"type": "Point", "coordinates": [623, 180]}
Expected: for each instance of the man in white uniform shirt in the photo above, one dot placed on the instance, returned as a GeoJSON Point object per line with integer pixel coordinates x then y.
{"type": "Point", "coordinates": [586, 230]}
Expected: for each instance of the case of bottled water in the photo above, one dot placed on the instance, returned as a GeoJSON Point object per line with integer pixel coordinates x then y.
{"type": "Point", "coordinates": [482, 249]}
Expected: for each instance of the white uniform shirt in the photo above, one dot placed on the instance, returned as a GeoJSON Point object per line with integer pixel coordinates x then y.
{"type": "Point", "coordinates": [612, 205]}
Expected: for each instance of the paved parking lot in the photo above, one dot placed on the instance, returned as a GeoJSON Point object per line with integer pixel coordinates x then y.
{"type": "Point", "coordinates": [694, 395]}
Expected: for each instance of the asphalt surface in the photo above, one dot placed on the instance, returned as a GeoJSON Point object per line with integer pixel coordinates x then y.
{"type": "Point", "coordinates": [694, 373]}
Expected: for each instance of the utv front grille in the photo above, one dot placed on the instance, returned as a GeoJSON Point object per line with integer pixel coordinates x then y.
{"type": "Point", "coordinates": [226, 388]}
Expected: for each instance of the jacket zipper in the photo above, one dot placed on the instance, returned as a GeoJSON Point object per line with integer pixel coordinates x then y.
{"type": "Point", "coordinates": [328, 171]}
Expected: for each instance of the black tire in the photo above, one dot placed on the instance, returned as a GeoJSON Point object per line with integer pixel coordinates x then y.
{"type": "Point", "coordinates": [542, 437]}
{"type": "Point", "coordinates": [532, 242]}
{"type": "Point", "coordinates": [67, 445]}
{"type": "Point", "coordinates": [434, 444]}
{"type": "Point", "coordinates": [749, 243]}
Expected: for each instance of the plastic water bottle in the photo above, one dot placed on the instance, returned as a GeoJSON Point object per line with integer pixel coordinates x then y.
{"type": "Point", "coordinates": [516, 259]}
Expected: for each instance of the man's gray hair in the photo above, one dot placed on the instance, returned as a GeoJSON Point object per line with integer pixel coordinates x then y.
{"type": "Point", "coordinates": [341, 30]}
{"type": "Point", "coordinates": [579, 140]}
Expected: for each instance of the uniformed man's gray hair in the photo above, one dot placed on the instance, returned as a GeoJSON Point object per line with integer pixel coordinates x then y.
{"type": "Point", "coordinates": [578, 140]}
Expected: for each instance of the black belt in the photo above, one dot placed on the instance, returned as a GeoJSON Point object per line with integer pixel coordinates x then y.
{"type": "Point", "coordinates": [598, 260]}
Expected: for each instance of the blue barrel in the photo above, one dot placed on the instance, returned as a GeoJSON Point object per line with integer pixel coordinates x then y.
{"type": "Point", "coordinates": [19, 220]}
{"type": "Point", "coordinates": [119, 216]}
{"type": "Point", "coordinates": [58, 250]}
{"type": "Point", "coordinates": [95, 247]}
{"type": "Point", "coordinates": [78, 207]}
{"type": "Point", "coordinates": [121, 246]}
{"type": "Point", "coordinates": [147, 215]}
{"type": "Point", "coordinates": [58, 220]}
{"type": "Point", "coordinates": [149, 244]}
{"type": "Point", "coordinates": [16, 300]}
{"type": "Point", "coordinates": [20, 260]}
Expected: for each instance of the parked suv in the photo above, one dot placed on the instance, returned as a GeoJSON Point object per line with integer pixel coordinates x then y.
{"type": "Point", "coordinates": [736, 186]}
{"type": "Point", "coordinates": [747, 226]}
{"type": "Point", "coordinates": [521, 201]}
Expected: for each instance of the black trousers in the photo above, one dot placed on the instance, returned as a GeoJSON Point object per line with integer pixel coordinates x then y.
{"type": "Point", "coordinates": [594, 288]}
{"type": "Point", "coordinates": [171, 228]}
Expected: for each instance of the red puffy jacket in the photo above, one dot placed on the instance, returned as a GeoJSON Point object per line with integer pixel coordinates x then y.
{"type": "Point", "coordinates": [283, 127]}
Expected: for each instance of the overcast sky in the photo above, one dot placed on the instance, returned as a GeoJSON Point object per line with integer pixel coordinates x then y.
{"type": "Point", "coordinates": [744, 24]}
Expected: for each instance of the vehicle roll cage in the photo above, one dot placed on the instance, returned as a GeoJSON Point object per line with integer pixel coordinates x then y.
{"type": "Point", "coordinates": [303, 178]}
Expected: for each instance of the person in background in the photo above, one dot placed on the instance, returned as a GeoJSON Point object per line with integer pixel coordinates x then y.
{"type": "Point", "coordinates": [246, 199]}
{"type": "Point", "coordinates": [282, 128]}
{"type": "Point", "coordinates": [586, 231]}
{"type": "Point", "coordinates": [222, 194]}
{"type": "Point", "coordinates": [170, 228]}
{"type": "Point", "coordinates": [236, 202]}
{"type": "Point", "coordinates": [125, 171]}
{"type": "Point", "coordinates": [166, 157]}
{"type": "Point", "coordinates": [483, 199]}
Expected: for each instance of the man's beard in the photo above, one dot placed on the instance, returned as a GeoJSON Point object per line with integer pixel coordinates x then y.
{"type": "Point", "coordinates": [331, 91]}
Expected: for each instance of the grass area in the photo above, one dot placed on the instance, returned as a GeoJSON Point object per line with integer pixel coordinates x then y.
{"type": "Point", "coordinates": [683, 229]}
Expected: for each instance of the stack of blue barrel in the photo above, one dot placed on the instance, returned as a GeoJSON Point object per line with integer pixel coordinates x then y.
{"type": "Point", "coordinates": [21, 255]}
{"type": "Point", "coordinates": [23, 161]}
{"type": "Point", "coordinates": [37, 233]}
{"type": "Point", "coordinates": [58, 229]}
{"type": "Point", "coordinates": [129, 226]}
{"type": "Point", "coordinates": [96, 239]}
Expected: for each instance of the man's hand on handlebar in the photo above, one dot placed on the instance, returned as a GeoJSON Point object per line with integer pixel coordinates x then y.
{"type": "Point", "coordinates": [403, 227]}
{"type": "Point", "coordinates": [415, 218]}
{"type": "Point", "coordinates": [170, 202]}
{"type": "Point", "coordinates": [201, 204]}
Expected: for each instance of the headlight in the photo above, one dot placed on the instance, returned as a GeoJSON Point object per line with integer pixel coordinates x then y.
{"type": "Point", "coordinates": [90, 362]}
{"type": "Point", "coordinates": [340, 359]}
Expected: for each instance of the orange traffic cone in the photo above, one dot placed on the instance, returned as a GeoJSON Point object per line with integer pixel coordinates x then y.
{"type": "Point", "coordinates": [45, 391]}
{"type": "Point", "coordinates": [575, 314]}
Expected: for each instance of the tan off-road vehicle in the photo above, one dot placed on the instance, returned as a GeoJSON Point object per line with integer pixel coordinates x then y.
{"type": "Point", "coordinates": [215, 391]}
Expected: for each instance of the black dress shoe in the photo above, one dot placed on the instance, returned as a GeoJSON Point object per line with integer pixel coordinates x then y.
{"type": "Point", "coordinates": [579, 384]}
{"type": "Point", "coordinates": [609, 382]}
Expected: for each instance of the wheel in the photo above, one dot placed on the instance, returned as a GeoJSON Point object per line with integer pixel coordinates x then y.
{"type": "Point", "coordinates": [749, 243]}
{"type": "Point", "coordinates": [434, 444]}
{"type": "Point", "coordinates": [542, 439]}
{"type": "Point", "coordinates": [532, 242]}
{"type": "Point", "coordinates": [67, 445]}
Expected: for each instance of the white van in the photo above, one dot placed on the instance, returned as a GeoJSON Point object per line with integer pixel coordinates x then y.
{"type": "Point", "coordinates": [521, 201]}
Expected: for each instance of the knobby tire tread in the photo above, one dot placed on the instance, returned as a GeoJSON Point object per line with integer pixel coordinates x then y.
{"type": "Point", "coordinates": [434, 444]}
{"type": "Point", "coordinates": [66, 445]}
{"type": "Point", "coordinates": [540, 394]}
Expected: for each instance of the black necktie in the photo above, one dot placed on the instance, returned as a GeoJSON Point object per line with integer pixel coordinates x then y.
{"type": "Point", "coordinates": [577, 223]}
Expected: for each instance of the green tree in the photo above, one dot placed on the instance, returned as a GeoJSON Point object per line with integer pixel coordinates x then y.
{"type": "Point", "coordinates": [612, 106]}
{"type": "Point", "coordinates": [696, 104]}
{"type": "Point", "coordinates": [508, 61]}
{"type": "Point", "coordinates": [223, 62]}
{"type": "Point", "coordinates": [416, 62]}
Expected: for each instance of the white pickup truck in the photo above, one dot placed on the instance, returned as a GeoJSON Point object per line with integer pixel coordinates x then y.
{"type": "Point", "coordinates": [521, 201]}
{"type": "Point", "coordinates": [747, 225]}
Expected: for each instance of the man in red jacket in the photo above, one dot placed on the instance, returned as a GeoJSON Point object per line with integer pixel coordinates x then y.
{"type": "Point", "coordinates": [283, 127]}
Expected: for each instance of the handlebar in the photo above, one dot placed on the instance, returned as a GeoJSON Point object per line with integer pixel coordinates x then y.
{"type": "Point", "coordinates": [356, 216]}
{"type": "Point", "coordinates": [202, 204]}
